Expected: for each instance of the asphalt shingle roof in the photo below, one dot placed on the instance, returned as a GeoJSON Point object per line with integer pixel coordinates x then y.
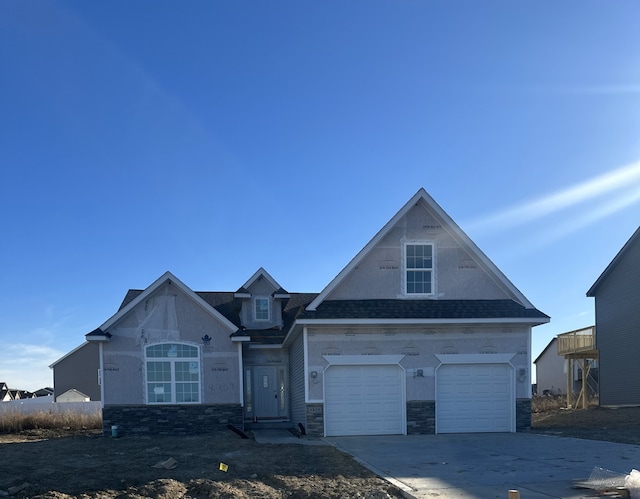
{"type": "Point", "coordinates": [422, 309]}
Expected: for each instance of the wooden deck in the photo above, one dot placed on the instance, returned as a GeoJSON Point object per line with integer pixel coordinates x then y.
{"type": "Point", "coordinates": [580, 343]}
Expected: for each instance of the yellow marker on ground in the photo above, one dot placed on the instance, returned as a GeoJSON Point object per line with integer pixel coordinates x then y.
{"type": "Point", "coordinates": [223, 467]}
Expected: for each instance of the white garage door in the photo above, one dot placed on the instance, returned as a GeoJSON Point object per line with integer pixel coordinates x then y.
{"type": "Point", "coordinates": [474, 398]}
{"type": "Point", "coordinates": [363, 400]}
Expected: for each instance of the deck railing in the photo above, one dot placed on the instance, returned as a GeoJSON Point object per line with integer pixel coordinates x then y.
{"type": "Point", "coordinates": [581, 340]}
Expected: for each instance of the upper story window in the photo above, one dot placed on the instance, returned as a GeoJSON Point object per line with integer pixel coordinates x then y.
{"type": "Point", "coordinates": [418, 268]}
{"type": "Point", "coordinates": [173, 374]}
{"type": "Point", "coordinates": [261, 309]}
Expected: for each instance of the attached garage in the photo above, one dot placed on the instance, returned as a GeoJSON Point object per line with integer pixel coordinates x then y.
{"type": "Point", "coordinates": [364, 400]}
{"type": "Point", "coordinates": [475, 398]}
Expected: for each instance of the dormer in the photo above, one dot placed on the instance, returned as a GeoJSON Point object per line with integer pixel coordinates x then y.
{"type": "Point", "coordinates": [261, 301]}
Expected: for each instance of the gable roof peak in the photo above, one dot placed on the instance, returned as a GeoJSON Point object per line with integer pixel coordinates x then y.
{"type": "Point", "coordinates": [630, 242]}
{"type": "Point", "coordinates": [167, 277]}
{"type": "Point", "coordinates": [457, 233]}
{"type": "Point", "coordinates": [260, 274]}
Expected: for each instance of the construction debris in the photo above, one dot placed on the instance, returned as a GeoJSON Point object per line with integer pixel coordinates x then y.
{"type": "Point", "coordinates": [167, 464]}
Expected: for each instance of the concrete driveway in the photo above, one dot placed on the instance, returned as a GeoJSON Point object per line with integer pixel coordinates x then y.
{"type": "Point", "coordinates": [485, 466]}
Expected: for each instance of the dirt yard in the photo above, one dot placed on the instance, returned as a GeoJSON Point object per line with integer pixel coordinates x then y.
{"type": "Point", "coordinates": [596, 423]}
{"type": "Point", "coordinates": [41, 464]}
{"type": "Point", "coordinates": [51, 465]}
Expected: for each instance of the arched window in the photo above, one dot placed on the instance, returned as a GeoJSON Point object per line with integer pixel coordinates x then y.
{"type": "Point", "coordinates": [173, 374]}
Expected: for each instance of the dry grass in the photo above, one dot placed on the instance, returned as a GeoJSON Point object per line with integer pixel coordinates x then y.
{"type": "Point", "coordinates": [547, 403]}
{"type": "Point", "coordinates": [15, 422]}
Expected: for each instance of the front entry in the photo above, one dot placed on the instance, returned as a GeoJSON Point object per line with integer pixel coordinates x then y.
{"type": "Point", "coordinates": [266, 392]}
{"type": "Point", "coordinates": [266, 395]}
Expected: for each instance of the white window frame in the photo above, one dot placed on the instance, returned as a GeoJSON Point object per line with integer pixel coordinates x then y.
{"type": "Point", "coordinates": [172, 361]}
{"type": "Point", "coordinates": [405, 269]}
{"type": "Point", "coordinates": [255, 308]}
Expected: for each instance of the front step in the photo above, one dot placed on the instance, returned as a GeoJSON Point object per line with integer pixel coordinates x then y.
{"type": "Point", "coordinates": [250, 424]}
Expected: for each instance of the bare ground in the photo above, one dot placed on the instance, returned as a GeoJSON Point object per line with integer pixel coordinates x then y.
{"type": "Point", "coordinates": [45, 464]}
{"type": "Point", "coordinates": [49, 465]}
{"type": "Point", "coordinates": [596, 423]}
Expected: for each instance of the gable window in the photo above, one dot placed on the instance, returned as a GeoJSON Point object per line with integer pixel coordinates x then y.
{"type": "Point", "coordinates": [261, 309]}
{"type": "Point", "coordinates": [418, 263]}
{"type": "Point", "coordinates": [173, 374]}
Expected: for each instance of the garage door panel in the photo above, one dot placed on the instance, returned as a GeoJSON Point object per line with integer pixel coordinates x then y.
{"type": "Point", "coordinates": [474, 398]}
{"type": "Point", "coordinates": [363, 400]}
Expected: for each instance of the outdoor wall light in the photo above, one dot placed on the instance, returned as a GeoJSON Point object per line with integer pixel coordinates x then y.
{"type": "Point", "coordinates": [206, 339]}
{"type": "Point", "coordinates": [314, 374]}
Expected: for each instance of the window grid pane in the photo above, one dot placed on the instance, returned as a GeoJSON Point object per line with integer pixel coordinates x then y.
{"type": "Point", "coordinates": [262, 309]}
{"type": "Point", "coordinates": [173, 380]}
{"type": "Point", "coordinates": [419, 265]}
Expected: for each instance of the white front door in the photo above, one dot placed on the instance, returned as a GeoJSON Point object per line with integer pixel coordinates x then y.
{"type": "Point", "coordinates": [474, 398]}
{"type": "Point", "coordinates": [363, 400]}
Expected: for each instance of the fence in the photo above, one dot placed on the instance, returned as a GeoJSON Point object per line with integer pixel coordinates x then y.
{"type": "Point", "coordinates": [46, 404]}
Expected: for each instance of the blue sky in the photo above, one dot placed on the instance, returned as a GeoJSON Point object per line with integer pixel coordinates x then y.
{"type": "Point", "coordinates": [213, 138]}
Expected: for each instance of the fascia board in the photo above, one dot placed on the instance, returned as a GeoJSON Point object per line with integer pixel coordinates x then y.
{"type": "Point", "coordinates": [502, 320]}
{"type": "Point", "coordinates": [168, 276]}
{"type": "Point", "coordinates": [51, 366]}
{"type": "Point", "coordinates": [266, 275]}
{"type": "Point", "coordinates": [613, 263]}
{"type": "Point", "coordinates": [240, 339]}
{"type": "Point", "coordinates": [364, 251]}
{"type": "Point", "coordinates": [102, 337]}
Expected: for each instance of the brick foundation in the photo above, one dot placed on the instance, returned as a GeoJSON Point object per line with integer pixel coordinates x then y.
{"type": "Point", "coordinates": [170, 419]}
{"type": "Point", "coordinates": [421, 417]}
{"type": "Point", "coordinates": [315, 420]}
{"type": "Point", "coordinates": [523, 415]}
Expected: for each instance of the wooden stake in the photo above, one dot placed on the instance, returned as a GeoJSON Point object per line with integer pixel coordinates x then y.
{"type": "Point", "coordinates": [514, 494]}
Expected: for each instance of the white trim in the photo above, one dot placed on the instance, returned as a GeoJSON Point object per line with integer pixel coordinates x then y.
{"type": "Point", "coordinates": [475, 358]}
{"type": "Point", "coordinates": [265, 274]}
{"type": "Point", "coordinates": [168, 276]}
{"type": "Point", "coordinates": [101, 361]}
{"type": "Point", "coordinates": [506, 320]}
{"type": "Point", "coordinates": [362, 360]}
{"type": "Point", "coordinates": [254, 309]}
{"type": "Point", "coordinates": [241, 371]}
{"type": "Point", "coordinates": [68, 354]}
{"type": "Point", "coordinates": [450, 226]}
{"type": "Point", "coordinates": [305, 365]}
{"type": "Point", "coordinates": [240, 339]}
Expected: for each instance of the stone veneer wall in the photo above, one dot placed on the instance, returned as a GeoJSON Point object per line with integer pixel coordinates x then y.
{"type": "Point", "coordinates": [315, 420]}
{"type": "Point", "coordinates": [421, 417]}
{"type": "Point", "coordinates": [170, 419]}
{"type": "Point", "coordinates": [523, 415]}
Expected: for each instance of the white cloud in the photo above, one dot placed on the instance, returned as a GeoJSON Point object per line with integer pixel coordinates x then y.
{"type": "Point", "coordinates": [26, 366]}
{"type": "Point", "coordinates": [623, 182]}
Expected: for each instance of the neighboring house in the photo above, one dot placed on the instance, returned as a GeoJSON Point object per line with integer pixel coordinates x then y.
{"type": "Point", "coordinates": [73, 395]}
{"type": "Point", "coordinates": [78, 370]}
{"type": "Point", "coordinates": [617, 305]}
{"type": "Point", "coordinates": [551, 369]}
{"type": "Point", "coordinates": [551, 377]}
{"type": "Point", "coordinates": [419, 333]}
{"type": "Point", "coordinates": [5, 392]}
{"type": "Point", "coordinates": [44, 392]}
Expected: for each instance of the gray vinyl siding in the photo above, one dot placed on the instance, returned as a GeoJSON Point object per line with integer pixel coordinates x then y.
{"type": "Point", "coordinates": [296, 375]}
{"type": "Point", "coordinates": [618, 331]}
{"type": "Point", "coordinates": [79, 371]}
